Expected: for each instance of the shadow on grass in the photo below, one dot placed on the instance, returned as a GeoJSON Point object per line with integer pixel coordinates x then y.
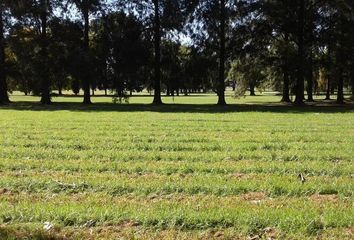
{"type": "Point", "coordinates": [318, 107]}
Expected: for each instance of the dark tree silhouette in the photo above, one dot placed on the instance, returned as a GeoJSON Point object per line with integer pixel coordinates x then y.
{"type": "Point", "coordinates": [129, 45]}
{"type": "Point", "coordinates": [299, 100]}
{"type": "Point", "coordinates": [3, 85]}
{"type": "Point", "coordinates": [222, 36]}
{"type": "Point", "coordinates": [45, 86]}
{"type": "Point", "coordinates": [157, 46]}
{"type": "Point", "coordinates": [86, 7]}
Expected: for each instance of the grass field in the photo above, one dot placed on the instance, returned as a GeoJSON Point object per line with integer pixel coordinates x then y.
{"type": "Point", "coordinates": [176, 171]}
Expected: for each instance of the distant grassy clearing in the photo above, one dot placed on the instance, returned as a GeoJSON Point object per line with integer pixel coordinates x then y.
{"type": "Point", "coordinates": [177, 172]}
{"type": "Point", "coordinates": [146, 98]}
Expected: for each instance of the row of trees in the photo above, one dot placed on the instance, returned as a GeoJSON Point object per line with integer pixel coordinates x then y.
{"type": "Point", "coordinates": [177, 46]}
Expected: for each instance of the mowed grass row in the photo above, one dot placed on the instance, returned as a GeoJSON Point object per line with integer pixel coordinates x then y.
{"type": "Point", "coordinates": [245, 213]}
{"type": "Point", "coordinates": [159, 136]}
{"type": "Point", "coordinates": [310, 168]}
{"type": "Point", "coordinates": [184, 171]}
{"type": "Point", "coordinates": [272, 185]}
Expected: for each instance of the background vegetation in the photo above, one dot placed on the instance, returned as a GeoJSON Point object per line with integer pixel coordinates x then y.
{"type": "Point", "coordinates": [177, 47]}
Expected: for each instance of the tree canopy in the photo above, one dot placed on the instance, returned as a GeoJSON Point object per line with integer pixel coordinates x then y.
{"type": "Point", "coordinates": [299, 48]}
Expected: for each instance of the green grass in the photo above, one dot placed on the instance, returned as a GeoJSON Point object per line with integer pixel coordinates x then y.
{"type": "Point", "coordinates": [176, 171]}
{"type": "Point", "coordinates": [146, 98]}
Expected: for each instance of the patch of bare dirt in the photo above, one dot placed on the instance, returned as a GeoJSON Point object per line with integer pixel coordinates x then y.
{"type": "Point", "coordinates": [318, 198]}
{"type": "Point", "coordinates": [350, 231]}
{"type": "Point", "coordinates": [129, 224]}
{"type": "Point", "coordinates": [253, 196]}
{"type": "Point", "coordinates": [266, 233]}
{"type": "Point", "coordinates": [4, 191]}
{"type": "Point", "coordinates": [238, 176]}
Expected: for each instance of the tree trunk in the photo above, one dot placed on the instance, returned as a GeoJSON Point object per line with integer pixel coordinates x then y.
{"type": "Point", "coordinates": [45, 99]}
{"type": "Point", "coordinates": [340, 93]}
{"type": "Point", "coordinates": [286, 88]}
{"type": "Point", "coordinates": [352, 78]}
{"type": "Point", "coordinates": [60, 88]}
{"type": "Point", "coordinates": [329, 75]}
{"type": "Point", "coordinates": [157, 42]}
{"type": "Point", "coordinates": [299, 100]}
{"type": "Point", "coordinates": [341, 63]}
{"type": "Point", "coordinates": [286, 77]}
{"type": "Point", "coordinates": [252, 90]}
{"type": "Point", "coordinates": [86, 80]}
{"type": "Point", "coordinates": [328, 92]}
{"type": "Point", "coordinates": [4, 98]}
{"type": "Point", "coordinates": [333, 90]}
{"type": "Point", "coordinates": [24, 85]}
{"type": "Point", "coordinates": [221, 80]}
{"type": "Point", "coordinates": [105, 83]}
{"type": "Point", "coordinates": [172, 92]}
{"type": "Point", "coordinates": [310, 40]}
{"type": "Point", "coordinates": [310, 79]}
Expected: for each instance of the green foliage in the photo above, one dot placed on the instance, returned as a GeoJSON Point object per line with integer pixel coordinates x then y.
{"type": "Point", "coordinates": [247, 73]}
{"type": "Point", "coordinates": [120, 98]}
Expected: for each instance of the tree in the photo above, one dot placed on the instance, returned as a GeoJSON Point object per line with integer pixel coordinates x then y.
{"type": "Point", "coordinates": [86, 7]}
{"type": "Point", "coordinates": [171, 61]}
{"type": "Point", "coordinates": [344, 20]}
{"type": "Point", "coordinates": [299, 99]}
{"type": "Point", "coordinates": [213, 18]}
{"type": "Point", "coordinates": [162, 17]}
{"type": "Point", "coordinates": [200, 69]}
{"type": "Point", "coordinates": [122, 52]}
{"type": "Point", "coordinates": [222, 36]}
{"type": "Point", "coordinates": [311, 45]}
{"type": "Point", "coordinates": [337, 37]}
{"type": "Point", "coordinates": [157, 44]}
{"type": "Point", "coordinates": [34, 14]}
{"type": "Point", "coordinates": [248, 72]}
{"type": "Point", "coordinates": [45, 99]}
{"type": "Point", "coordinates": [4, 98]}
{"type": "Point", "coordinates": [280, 21]}
{"type": "Point", "coordinates": [65, 53]}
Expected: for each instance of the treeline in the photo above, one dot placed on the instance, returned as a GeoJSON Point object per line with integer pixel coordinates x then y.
{"type": "Point", "coordinates": [177, 47]}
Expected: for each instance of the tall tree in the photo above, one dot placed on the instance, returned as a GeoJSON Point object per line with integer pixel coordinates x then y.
{"type": "Point", "coordinates": [121, 52]}
{"type": "Point", "coordinates": [281, 19]}
{"type": "Point", "coordinates": [157, 45]}
{"type": "Point", "coordinates": [86, 7]}
{"type": "Point", "coordinates": [285, 67]}
{"type": "Point", "coordinates": [34, 14]}
{"type": "Point", "coordinates": [340, 61]}
{"type": "Point", "coordinates": [299, 100]}
{"type": "Point", "coordinates": [164, 17]}
{"type": "Point", "coordinates": [45, 86]}
{"type": "Point", "coordinates": [310, 44]}
{"type": "Point", "coordinates": [222, 39]}
{"type": "Point", "coordinates": [344, 21]}
{"type": "Point", "coordinates": [214, 18]}
{"type": "Point", "coordinates": [4, 98]}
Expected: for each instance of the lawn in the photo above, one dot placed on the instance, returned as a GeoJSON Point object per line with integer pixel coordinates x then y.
{"type": "Point", "coordinates": [176, 171]}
